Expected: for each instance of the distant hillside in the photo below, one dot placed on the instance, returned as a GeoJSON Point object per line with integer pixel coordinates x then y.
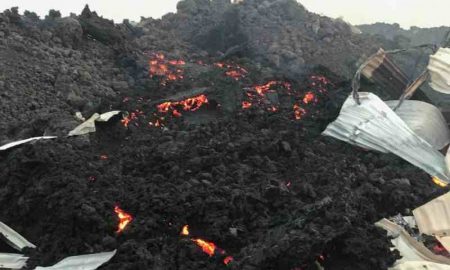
{"type": "Point", "coordinates": [413, 36]}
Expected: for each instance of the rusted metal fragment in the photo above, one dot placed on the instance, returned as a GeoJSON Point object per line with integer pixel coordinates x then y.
{"type": "Point", "coordinates": [381, 69]}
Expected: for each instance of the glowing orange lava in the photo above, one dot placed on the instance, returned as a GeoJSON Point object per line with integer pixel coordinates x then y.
{"type": "Point", "coordinates": [185, 230]}
{"type": "Point", "coordinates": [131, 117]}
{"type": "Point", "coordinates": [439, 182]}
{"type": "Point", "coordinates": [264, 88]}
{"type": "Point", "coordinates": [190, 104]}
{"type": "Point", "coordinates": [126, 120]}
{"type": "Point", "coordinates": [168, 70]}
{"type": "Point", "coordinates": [298, 112]}
{"type": "Point", "coordinates": [233, 71]}
{"type": "Point", "coordinates": [246, 105]}
{"type": "Point", "coordinates": [227, 260]}
{"type": "Point", "coordinates": [207, 247]}
{"type": "Point", "coordinates": [124, 219]}
{"type": "Point", "coordinates": [177, 62]}
{"type": "Point", "coordinates": [309, 97]}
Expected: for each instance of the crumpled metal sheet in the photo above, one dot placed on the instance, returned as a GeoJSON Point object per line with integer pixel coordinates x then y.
{"type": "Point", "coordinates": [410, 249]}
{"type": "Point", "coordinates": [89, 125]}
{"type": "Point", "coordinates": [439, 69]}
{"type": "Point", "coordinates": [82, 262]}
{"type": "Point", "coordinates": [420, 265]}
{"type": "Point", "coordinates": [425, 120]}
{"type": "Point", "coordinates": [12, 261]}
{"type": "Point", "coordinates": [373, 125]}
{"type": "Point", "coordinates": [433, 218]}
{"type": "Point", "coordinates": [17, 143]}
{"type": "Point", "coordinates": [16, 240]}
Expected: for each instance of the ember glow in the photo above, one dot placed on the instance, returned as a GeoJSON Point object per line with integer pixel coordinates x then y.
{"type": "Point", "coordinates": [167, 70]}
{"type": "Point", "coordinates": [257, 95]}
{"type": "Point", "coordinates": [298, 112]}
{"type": "Point", "coordinates": [246, 105]}
{"type": "Point", "coordinates": [190, 104]}
{"type": "Point", "coordinates": [207, 247]}
{"type": "Point", "coordinates": [185, 230]}
{"type": "Point", "coordinates": [126, 120]}
{"type": "Point", "coordinates": [270, 96]}
{"type": "Point", "coordinates": [321, 79]}
{"type": "Point", "coordinates": [233, 71]}
{"type": "Point", "coordinates": [227, 260]}
{"type": "Point", "coordinates": [124, 219]}
{"type": "Point", "coordinates": [131, 117]}
{"type": "Point", "coordinates": [309, 98]}
{"type": "Point", "coordinates": [263, 89]}
{"type": "Point", "coordinates": [156, 123]}
{"type": "Point", "coordinates": [439, 182]}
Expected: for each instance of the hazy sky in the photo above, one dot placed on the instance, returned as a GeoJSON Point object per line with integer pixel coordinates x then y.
{"type": "Point", "coordinates": [424, 13]}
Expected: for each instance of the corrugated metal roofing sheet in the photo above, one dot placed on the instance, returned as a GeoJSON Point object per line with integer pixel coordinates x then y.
{"type": "Point", "coordinates": [17, 143]}
{"type": "Point", "coordinates": [420, 265]}
{"type": "Point", "coordinates": [374, 125]}
{"type": "Point", "coordinates": [439, 68]}
{"type": "Point", "coordinates": [12, 261]}
{"type": "Point", "coordinates": [433, 218]}
{"type": "Point", "coordinates": [425, 120]}
{"type": "Point", "coordinates": [82, 262]}
{"type": "Point", "coordinates": [16, 240]}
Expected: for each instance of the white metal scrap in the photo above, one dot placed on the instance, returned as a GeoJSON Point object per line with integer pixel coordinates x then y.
{"type": "Point", "coordinates": [17, 143]}
{"type": "Point", "coordinates": [89, 125]}
{"type": "Point", "coordinates": [425, 120]}
{"type": "Point", "coordinates": [12, 261]}
{"type": "Point", "coordinates": [83, 262]}
{"type": "Point", "coordinates": [374, 125]}
{"type": "Point", "coordinates": [16, 240]}
{"type": "Point", "coordinates": [439, 69]}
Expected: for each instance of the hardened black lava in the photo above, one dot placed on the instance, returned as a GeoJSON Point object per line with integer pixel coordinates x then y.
{"type": "Point", "coordinates": [246, 171]}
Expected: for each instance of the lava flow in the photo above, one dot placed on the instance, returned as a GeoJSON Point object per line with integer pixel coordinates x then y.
{"type": "Point", "coordinates": [263, 89]}
{"type": "Point", "coordinates": [124, 219]}
{"type": "Point", "coordinates": [298, 112]}
{"type": "Point", "coordinates": [131, 117]}
{"type": "Point", "coordinates": [207, 247]}
{"type": "Point", "coordinates": [257, 95]}
{"type": "Point", "coordinates": [168, 70]}
{"type": "Point", "coordinates": [309, 97]}
{"type": "Point", "coordinates": [126, 120]}
{"type": "Point", "coordinates": [191, 104]}
{"type": "Point", "coordinates": [233, 71]}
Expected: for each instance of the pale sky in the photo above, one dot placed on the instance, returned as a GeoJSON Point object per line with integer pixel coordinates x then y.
{"type": "Point", "coordinates": [423, 13]}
